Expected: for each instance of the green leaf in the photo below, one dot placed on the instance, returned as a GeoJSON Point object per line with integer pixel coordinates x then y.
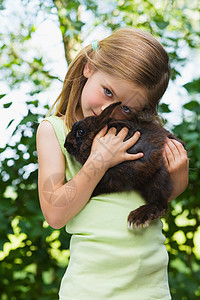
{"type": "Point", "coordinates": [10, 123]}
{"type": "Point", "coordinates": [193, 86]}
{"type": "Point", "coordinates": [2, 5]}
{"type": "Point", "coordinates": [2, 95]}
{"type": "Point", "coordinates": [193, 106]}
{"type": "Point", "coordinates": [164, 108]}
{"type": "Point", "coordinates": [7, 105]}
{"type": "Point", "coordinates": [162, 24]}
{"type": "Point", "coordinates": [35, 103]}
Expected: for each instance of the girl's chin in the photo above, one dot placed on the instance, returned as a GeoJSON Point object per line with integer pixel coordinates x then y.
{"type": "Point", "coordinates": [90, 113]}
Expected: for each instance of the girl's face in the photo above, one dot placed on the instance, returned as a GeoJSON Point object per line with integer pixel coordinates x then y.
{"type": "Point", "coordinates": [101, 89]}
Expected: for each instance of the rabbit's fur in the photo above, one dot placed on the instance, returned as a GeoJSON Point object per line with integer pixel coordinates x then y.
{"type": "Point", "coordinates": [148, 174]}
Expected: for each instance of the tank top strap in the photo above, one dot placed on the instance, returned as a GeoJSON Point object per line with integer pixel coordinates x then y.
{"type": "Point", "coordinates": [72, 166]}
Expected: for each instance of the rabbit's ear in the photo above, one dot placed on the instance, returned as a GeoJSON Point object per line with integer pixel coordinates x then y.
{"type": "Point", "coordinates": [103, 118]}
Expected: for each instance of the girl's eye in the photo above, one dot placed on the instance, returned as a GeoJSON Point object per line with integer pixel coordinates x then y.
{"type": "Point", "coordinates": [126, 109]}
{"type": "Point", "coordinates": [80, 133]}
{"type": "Point", "coordinates": [108, 92]}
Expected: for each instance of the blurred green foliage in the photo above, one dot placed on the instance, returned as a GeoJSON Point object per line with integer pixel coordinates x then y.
{"type": "Point", "coordinates": [33, 256]}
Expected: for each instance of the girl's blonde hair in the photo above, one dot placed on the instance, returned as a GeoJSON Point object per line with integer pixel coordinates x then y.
{"type": "Point", "coordinates": [130, 54]}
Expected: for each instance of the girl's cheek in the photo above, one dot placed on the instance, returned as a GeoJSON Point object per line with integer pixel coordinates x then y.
{"type": "Point", "coordinates": [95, 100]}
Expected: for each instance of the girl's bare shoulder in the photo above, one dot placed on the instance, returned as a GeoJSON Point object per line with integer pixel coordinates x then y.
{"type": "Point", "coordinates": [45, 127]}
{"type": "Point", "coordinates": [46, 138]}
{"type": "Point", "coordinates": [50, 156]}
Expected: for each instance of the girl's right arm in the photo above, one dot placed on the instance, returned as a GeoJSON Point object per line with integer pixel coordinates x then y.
{"type": "Point", "coordinates": [61, 201]}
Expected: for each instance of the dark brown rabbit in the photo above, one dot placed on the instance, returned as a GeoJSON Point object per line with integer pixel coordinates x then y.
{"type": "Point", "coordinates": [147, 174]}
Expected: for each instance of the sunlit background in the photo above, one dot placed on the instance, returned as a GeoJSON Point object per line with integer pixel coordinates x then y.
{"type": "Point", "coordinates": [33, 65]}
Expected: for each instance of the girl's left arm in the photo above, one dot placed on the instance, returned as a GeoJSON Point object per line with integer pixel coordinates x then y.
{"type": "Point", "coordinates": [176, 160]}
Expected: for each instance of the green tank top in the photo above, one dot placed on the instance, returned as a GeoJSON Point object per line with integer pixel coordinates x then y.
{"type": "Point", "coordinates": [107, 260]}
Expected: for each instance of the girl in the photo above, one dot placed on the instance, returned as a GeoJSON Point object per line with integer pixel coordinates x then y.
{"type": "Point", "coordinates": [107, 260]}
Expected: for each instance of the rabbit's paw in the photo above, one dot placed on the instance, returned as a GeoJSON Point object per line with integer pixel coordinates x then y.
{"type": "Point", "coordinates": [141, 217]}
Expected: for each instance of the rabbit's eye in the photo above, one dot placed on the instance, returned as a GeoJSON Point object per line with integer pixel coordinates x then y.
{"type": "Point", "coordinates": [80, 133]}
{"type": "Point", "coordinates": [126, 109]}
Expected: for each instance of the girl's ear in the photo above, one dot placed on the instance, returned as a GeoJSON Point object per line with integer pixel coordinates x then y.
{"type": "Point", "coordinates": [88, 70]}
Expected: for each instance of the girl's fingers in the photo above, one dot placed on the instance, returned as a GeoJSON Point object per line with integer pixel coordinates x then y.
{"type": "Point", "coordinates": [134, 156]}
{"type": "Point", "coordinates": [112, 147]}
{"type": "Point", "coordinates": [175, 146]}
{"type": "Point", "coordinates": [174, 149]}
{"type": "Point", "coordinates": [102, 132]}
{"type": "Point", "coordinates": [180, 148]}
{"type": "Point", "coordinates": [112, 130]}
{"type": "Point", "coordinates": [171, 151]}
{"type": "Point", "coordinates": [177, 163]}
{"type": "Point", "coordinates": [130, 142]}
{"type": "Point", "coordinates": [174, 153]}
{"type": "Point", "coordinates": [123, 133]}
{"type": "Point", "coordinates": [168, 155]}
{"type": "Point", "coordinates": [118, 139]}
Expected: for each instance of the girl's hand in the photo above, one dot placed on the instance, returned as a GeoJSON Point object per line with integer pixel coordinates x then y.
{"type": "Point", "coordinates": [109, 149]}
{"type": "Point", "coordinates": [177, 163]}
